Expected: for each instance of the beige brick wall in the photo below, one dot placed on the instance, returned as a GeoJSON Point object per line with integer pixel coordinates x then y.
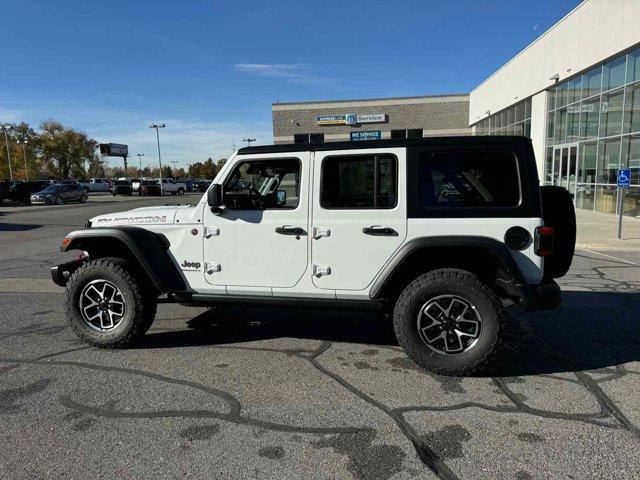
{"type": "Point", "coordinates": [441, 115]}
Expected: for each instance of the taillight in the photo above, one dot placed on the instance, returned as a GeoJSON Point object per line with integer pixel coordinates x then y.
{"type": "Point", "coordinates": [543, 241]}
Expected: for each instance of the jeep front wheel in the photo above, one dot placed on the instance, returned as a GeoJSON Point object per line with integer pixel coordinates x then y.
{"type": "Point", "coordinates": [449, 322]}
{"type": "Point", "coordinates": [106, 304]}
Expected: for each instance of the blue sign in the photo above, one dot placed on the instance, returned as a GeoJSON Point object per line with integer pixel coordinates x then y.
{"type": "Point", "coordinates": [370, 135]}
{"type": "Point", "coordinates": [624, 177]}
{"type": "Point", "coordinates": [351, 118]}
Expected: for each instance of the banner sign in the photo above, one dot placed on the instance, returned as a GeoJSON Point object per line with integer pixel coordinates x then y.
{"type": "Point", "coordinates": [331, 120]}
{"type": "Point", "coordinates": [370, 135]}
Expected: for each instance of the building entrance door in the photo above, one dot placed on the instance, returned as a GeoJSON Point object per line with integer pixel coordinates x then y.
{"type": "Point", "coordinates": [565, 164]}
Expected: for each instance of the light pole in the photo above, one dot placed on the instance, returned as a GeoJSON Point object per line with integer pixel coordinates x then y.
{"type": "Point", "coordinates": [140, 155]}
{"type": "Point", "coordinates": [23, 141]}
{"type": "Point", "coordinates": [5, 128]}
{"type": "Point", "coordinates": [249, 140]}
{"type": "Point", "coordinates": [158, 127]}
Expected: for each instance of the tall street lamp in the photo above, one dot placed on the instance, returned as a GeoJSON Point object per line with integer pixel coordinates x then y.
{"type": "Point", "coordinates": [158, 127]}
{"type": "Point", "coordinates": [249, 140]}
{"type": "Point", "coordinates": [6, 128]}
{"type": "Point", "coordinates": [23, 141]}
{"type": "Point", "coordinates": [140, 155]}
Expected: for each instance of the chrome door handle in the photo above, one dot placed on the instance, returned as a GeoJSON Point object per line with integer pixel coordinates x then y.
{"type": "Point", "coordinates": [379, 231]}
{"type": "Point", "coordinates": [289, 230]}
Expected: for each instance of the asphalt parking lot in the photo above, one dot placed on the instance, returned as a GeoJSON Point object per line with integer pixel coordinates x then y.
{"type": "Point", "coordinates": [243, 392]}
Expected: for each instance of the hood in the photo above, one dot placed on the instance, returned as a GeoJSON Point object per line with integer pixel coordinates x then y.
{"type": "Point", "coordinates": [139, 216]}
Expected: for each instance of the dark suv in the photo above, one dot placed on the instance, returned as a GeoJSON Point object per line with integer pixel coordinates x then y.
{"type": "Point", "coordinates": [122, 187]}
{"type": "Point", "coordinates": [21, 192]}
{"type": "Point", "coordinates": [59, 194]}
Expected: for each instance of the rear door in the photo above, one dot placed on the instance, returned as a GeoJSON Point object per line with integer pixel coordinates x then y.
{"type": "Point", "coordinates": [359, 215]}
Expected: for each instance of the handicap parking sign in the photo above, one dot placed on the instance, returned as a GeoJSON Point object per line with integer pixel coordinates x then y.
{"type": "Point", "coordinates": [624, 177]}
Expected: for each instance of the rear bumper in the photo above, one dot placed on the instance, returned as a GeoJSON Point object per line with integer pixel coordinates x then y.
{"type": "Point", "coordinates": [547, 296]}
{"type": "Point", "coordinates": [60, 274]}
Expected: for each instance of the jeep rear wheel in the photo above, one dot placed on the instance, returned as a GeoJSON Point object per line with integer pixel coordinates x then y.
{"type": "Point", "coordinates": [106, 304]}
{"type": "Point", "coordinates": [449, 322]}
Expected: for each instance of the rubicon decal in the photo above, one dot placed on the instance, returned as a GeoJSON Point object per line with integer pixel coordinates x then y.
{"type": "Point", "coordinates": [148, 219]}
{"type": "Point", "coordinates": [187, 265]}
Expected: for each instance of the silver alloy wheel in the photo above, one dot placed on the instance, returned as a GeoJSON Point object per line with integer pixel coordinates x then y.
{"type": "Point", "coordinates": [102, 305]}
{"type": "Point", "coordinates": [449, 324]}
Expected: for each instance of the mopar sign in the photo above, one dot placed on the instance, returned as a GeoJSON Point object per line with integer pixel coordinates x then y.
{"type": "Point", "coordinates": [371, 135]}
{"type": "Point", "coordinates": [351, 119]}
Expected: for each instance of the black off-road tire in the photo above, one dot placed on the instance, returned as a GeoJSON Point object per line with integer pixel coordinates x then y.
{"type": "Point", "coordinates": [461, 283]}
{"type": "Point", "coordinates": [141, 302]}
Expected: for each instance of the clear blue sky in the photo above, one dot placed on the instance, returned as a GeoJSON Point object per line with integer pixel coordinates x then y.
{"type": "Point", "coordinates": [211, 69]}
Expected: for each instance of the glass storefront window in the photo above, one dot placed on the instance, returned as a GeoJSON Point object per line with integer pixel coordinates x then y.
{"type": "Point", "coordinates": [527, 108]}
{"type": "Point", "coordinates": [550, 127]}
{"type": "Point", "coordinates": [591, 82]}
{"type": "Point", "coordinates": [574, 89]}
{"type": "Point", "coordinates": [573, 123]}
{"type": "Point", "coordinates": [548, 167]}
{"type": "Point", "coordinates": [551, 100]}
{"type": "Point", "coordinates": [613, 73]}
{"type": "Point", "coordinates": [587, 163]}
{"type": "Point", "coordinates": [511, 115]}
{"type": "Point", "coordinates": [585, 196]}
{"type": "Point", "coordinates": [589, 118]}
{"type": "Point", "coordinates": [561, 95]}
{"type": "Point", "coordinates": [519, 112]}
{"type": "Point", "coordinates": [631, 204]}
{"type": "Point", "coordinates": [561, 126]}
{"type": "Point", "coordinates": [632, 109]}
{"type": "Point", "coordinates": [631, 157]}
{"type": "Point", "coordinates": [611, 113]}
{"type": "Point", "coordinates": [608, 161]}
{"type": "Point", "coordinates": [606, 198]}
{"type": "Point", "coordinates": [527, 128]}
{"type": "Point", "coordinates": [633, 66]}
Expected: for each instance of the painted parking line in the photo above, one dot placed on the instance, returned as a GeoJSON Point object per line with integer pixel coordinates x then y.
{"type": "Point", "coordinates": [612, 257]}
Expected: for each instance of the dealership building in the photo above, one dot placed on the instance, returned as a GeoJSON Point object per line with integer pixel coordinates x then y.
{"type": "Point", "coordinates": [575, 91]}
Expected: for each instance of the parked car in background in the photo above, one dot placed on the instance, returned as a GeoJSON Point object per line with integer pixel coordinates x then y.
{"type": "Point", "coordinates": [201, 184]}
{"type": "Point", "coordinates": [68, 181]}
{"type": "Point", "coordinates": [122, 187]}
{"type": "Point", "coordinates": [5, 186]}
{"type": "Point", "coordinates": [20, 192]}
{"type": "Point", "coordinates": [135, 183]}
{"type": "Point", "coordinates": [188, 182]}
{"type": "Point", "coordinates": [97, 185]}
{"type": "Point", "coordinates": [59, 193]}
{"type": "Point", "coordinates": [169, 185]}
{"type": "Point", "coordinates": [149, 187]}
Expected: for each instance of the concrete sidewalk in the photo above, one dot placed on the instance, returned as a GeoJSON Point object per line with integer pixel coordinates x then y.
{"type": "Point", "coordinates": [598, 231]}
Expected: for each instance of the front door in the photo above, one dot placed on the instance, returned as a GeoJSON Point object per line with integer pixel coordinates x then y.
{"type": "Point", "coordinates": [565, 161]}
{"type": "Point", "coordinates": [259, 241]}
{"type": "Point", "coordinates": [359, 215]}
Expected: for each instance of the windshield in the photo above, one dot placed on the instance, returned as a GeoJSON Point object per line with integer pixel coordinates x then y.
{"type": "Point", "coordinates": [52, 189]}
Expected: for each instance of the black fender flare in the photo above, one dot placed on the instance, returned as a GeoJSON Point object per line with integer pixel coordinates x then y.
{"type": "Point", "coordinates": [148, 248]}
{"type": "Point", "coordinates": [515, 285]}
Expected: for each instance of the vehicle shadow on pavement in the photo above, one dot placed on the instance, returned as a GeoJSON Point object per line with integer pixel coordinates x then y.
{"type": "Point", "coordinates": [18, 227]}
{"type": "Point", "coordinates": [592, 330]}
{"type": "Point", "coordinates": [240, 324]}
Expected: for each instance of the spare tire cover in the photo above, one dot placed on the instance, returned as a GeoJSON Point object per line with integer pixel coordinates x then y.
{"type": "Point", "coordinates": [558, 212]}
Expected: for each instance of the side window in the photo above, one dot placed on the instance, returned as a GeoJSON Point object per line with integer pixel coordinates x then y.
{"type": "Point", "coordinates": [469, 179]}
{"type": "Point", "coordinates": [359, 182]}
{"type": "Point", "coordinates": [264, 184]}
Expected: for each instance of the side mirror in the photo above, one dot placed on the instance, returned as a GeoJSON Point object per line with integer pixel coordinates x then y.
{"type": "Point", "coordinates": [214, 196]}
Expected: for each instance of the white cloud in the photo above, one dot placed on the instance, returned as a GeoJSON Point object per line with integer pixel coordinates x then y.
{"type": "Point", "coordinates": [301, 73]}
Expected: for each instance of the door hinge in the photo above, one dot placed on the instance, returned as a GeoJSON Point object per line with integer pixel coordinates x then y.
{"type": "Point", "coordinates": [320, 270]}
{"type": "Point", "coordinates": [210, 268]}
{"type": "Point", "coordinates": [321, 232]}
{"type": "Point", "coordinates": [211, 232]}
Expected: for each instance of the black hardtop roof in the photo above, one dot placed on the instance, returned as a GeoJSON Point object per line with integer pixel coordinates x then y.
{"type": "Point", "coordinates": [387, 143]}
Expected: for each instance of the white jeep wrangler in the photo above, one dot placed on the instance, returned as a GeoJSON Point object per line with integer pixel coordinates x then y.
{"type": "Point", "coordinates": [442, 231]}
